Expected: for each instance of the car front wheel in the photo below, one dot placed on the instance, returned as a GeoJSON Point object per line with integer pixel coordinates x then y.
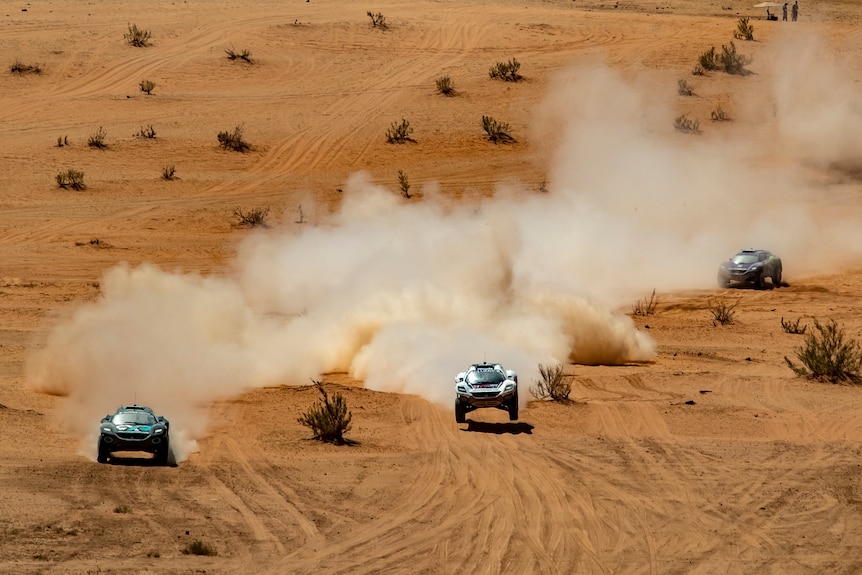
{"type": "Point", "coordinates": [103, 453]}
{"type": "Point", "coordinates": [513, 408]}
{"type": "Point", "coordinates": [460, 412]}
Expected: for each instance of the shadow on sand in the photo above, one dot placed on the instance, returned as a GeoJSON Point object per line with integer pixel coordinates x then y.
{"type": "Point", "coordinates": [499, 428]}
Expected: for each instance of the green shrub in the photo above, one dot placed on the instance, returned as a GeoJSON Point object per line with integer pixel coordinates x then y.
{"type": "Point", "coordinates": [744, 30]}
{"type": "Point", "coordinates": [252, 218]}
{"type": "Point", "coordinates": [506, 71]}
{"type": "Point", "coordinates": [233, 140]}
{"type": "Point", "coordinates": [198, 547]}
{"type": "Point", "coordinates": [404, 184]}
{"type": "Point", "coordinates": [398, 133]}
{"type": "Point", "coordinates": [552, 384]}
{"type": "Point", "coordinates": [71, 179]}
{"type": "Point", "coordinates": [444, 86]}
{"type": "Point", "coordinates": [827, 355]}
{"type": "Point", "coordinates": [329, 419]}
{"type": "Point", "coordinates": [497, 131]}
{"type": "Point", "coordinates": [97, 140]}
{"type": "Point", "coordinates": [723, 312]}
{"type": "Point", "coordinates": [793, 326]}
{"type": "Point", "coordinates": [731, 61]}
{"type": "Point", "coordinates": [684, 124]}
{"type": "Point", "coordinates": [244, 55]}
{"type": "Point", "coordinates": [137, 37]}
{"type": "Point", "coordinates": [147, 86]}
{"type": "Point", "coordinates": [645, 306]}
{"type": "Point", "coordinates": [378, 20]}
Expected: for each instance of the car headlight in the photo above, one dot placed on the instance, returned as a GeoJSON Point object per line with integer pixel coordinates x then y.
{"type": "Point", "coordinates": [158, 430]}
{"type": "Point", "coordinates": [106, 430]}
{"type": "Point", "coordinates": [509, 387]}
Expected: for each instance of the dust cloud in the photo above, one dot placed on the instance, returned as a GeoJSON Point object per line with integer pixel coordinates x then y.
{"type": "Point", "coordinates": [404, 294]}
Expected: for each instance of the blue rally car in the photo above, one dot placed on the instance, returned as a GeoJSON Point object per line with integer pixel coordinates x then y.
{"type": "Point", "coordinates": [750, 267]}
{"type": "Point", "coordinates": [134, 428]}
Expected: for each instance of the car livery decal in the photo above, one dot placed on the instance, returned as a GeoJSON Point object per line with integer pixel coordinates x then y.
{"type": "Point", "coordinates": [135, 428]}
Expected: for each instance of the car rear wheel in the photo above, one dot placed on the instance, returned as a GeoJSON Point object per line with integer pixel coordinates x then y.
{"type": "Point", "coordinates": [460, 412]}
{"type": "Point", "coordinates": [776, 277]}
{"type": "Point", "coordinates": [163, 453]}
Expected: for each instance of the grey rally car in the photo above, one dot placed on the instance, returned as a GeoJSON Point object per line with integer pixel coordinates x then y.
{"type": "Point", "coordinates": [486, 385]}
{"type": "Point", "coordinates": [750, 267]}
{"type": "Point", "coordinates": [134, 428]}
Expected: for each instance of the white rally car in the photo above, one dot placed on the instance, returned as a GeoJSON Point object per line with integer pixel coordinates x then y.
{"type": "Point", "coordinates": [486, 385]}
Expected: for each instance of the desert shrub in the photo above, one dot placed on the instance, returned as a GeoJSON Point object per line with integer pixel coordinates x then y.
{"type": "Point", "coordinates": [301, 215]}
{"type": "Point", "coordinates": [444, 86]}
{"type": "Point", "coordinates": [552, 384]}
{"type": "Point", "coordinates": [708, 60]}
{"type": "Point", "coordinates": [137, 37]}
{"type": "Point", "coordinates": [233, 140]}
{"type": "Point", "coordinates": [645, 306]}
{"type": "Point", "coordinates": [198, 547]}
{"type": "Point", "coordinates": [19, 67]}
{"type": "Point", "coordinates": [121, 509]}
{"type": "Point", "coordinates": [378, 20]}
{"type": "Point", "coordinates": [71, 179]}
{"type": "Point", "coordinates": [404, 184]}
{"type": "Point", "coordinates": [147, 86]}
{"type": "Point", "coordinates": [732, 61]}
{"type": "Point", "coordinates": [683, 88]}
{"type": "Point", "coordinates": [244, 55]}
{"type": "Point", "coordinates": [827, 355]}
{"type": "Point", "coordinates": [169, 172]}
{"type": "Point", "coordinates": [252, 218]}
{"type": "Point", "coordinates": [398, 133]}
{"type": "Point", "coordinates": [793, 326]}
{"type": "Point", "coordinates": [722, 312]}
{"type": "Point", "coordinates": [506, 71]}
{"type": "Point", "coordinates": [97, 140]}
{"type": "Point", "coordinates": [684, 124]}
{"type": "Point", "coordinates": [697, 70]}
{"type": "Point", "coordinates": [62, 141]}
{"type": "Point", "coordinates": [497, 131]}
{"type": "Point", "coordinates": [149, 132]}
{"type": "Point", "coordinates": [719, 115]}
{"type": "Point", "coordinates": [744, 29]}
{"type": "Point", "coordinates": [329, 419]}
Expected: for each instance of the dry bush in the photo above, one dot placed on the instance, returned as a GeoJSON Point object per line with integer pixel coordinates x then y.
{"type": "Point", "coordinates": [683, 88]}
{"type": "Point", "coordinates": [506, 71]}
{"type": "Point", "coordinates": [252, 218]}
{"type": "Point", "coordinates": [793, 326]}
{"type": "Point", "coordinates": [744, 30]}
{"type": "Point", "coordinates": [137, 37]}
{"type": "Point", "coordinates": [62, 141]}
{"type": "Point", "coordinates": [552, 384]}
{"type": "Point", "coordinates": [645, 306]}
{"type": "Point", "coordinates": [198, 547]}
{"type": "Point", "coordinates": [399, 133]}
{"type": "Point", "coordinates": [147, 133]}
{"type": "Point", "coordinates": [828, 356]}
{"type": "Point", "coordinates": [19, 67]}
{"type": "Point", "coordinates": [723, 312]}
{"type": "Point", "coordinates": [71, 179]}
{"type": "Point", "coordinates": [719, 115]}
{"type": "Point", "coordinates": [234, 140]}
{"type": "Point", "coordinates": [444, 86]}
{"type": "Point", "coordinates": [147, 86]}
{"type": "Point", "coordinates": [404, 184]}
{"type": "Point", "coordinates": [169, 172]}
{"type": "Point", "coordinates": [732, 61]}
{"type": "Point", "coordinates": [244, 55]}
{"type": "Point", "coordinates": [328, 419]}
{"type": "Point", "coordinates": [697, 70]}
{"type": "Point", "coordinates": [497, 131]}
{"type": "Point", "coordinates": [97, 140]}
{"type": "Point", "coordinates": [378, 20]}
{"type": "Point", "coordinates": [121, 509]}
{"type": "Point", "coordinates": [686, 125]}
{"type": "Point", "coordinates": [708, 60]}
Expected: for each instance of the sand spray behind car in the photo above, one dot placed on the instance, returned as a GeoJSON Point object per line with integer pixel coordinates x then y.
{"type": "Point", "coordinates": [403, 294]}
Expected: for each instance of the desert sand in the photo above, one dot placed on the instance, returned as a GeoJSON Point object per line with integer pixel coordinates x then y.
{"type": "Point", "coordinates": [688, 447]}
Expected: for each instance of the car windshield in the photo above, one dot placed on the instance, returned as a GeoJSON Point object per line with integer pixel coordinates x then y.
{"type": "Point", "coordinates": [134, 418]}
{"type": "Point", "coordinates": [485, 376]}
{"type": "Point", "coordinates": [744, 258]}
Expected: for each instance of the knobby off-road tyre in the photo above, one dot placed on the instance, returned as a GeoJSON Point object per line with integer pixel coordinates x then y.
{"type": "Point", "coordinates": [104, 454]}
{"type": "Point", "coordinates": [460, 412]}
{"type": "Point", "coordinates": [513, 408]}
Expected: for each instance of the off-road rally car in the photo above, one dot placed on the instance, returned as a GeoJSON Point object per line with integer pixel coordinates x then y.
{"type": "Point", "coordinates": [134, 428]}
{"type": "Point", "coordinates": [486, 385]}
{"type": "Point", "coordinates": [750, 267]}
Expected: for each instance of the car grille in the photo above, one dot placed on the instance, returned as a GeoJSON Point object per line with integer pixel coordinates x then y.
{"type": "Point", "coordinates": [127, 435]}
{"type": "Point", "coordinates": [485, 394]}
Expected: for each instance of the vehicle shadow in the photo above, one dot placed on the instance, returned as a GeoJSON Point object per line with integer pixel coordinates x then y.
{"type": "Point", "coordinates": [499, 428]}
{"type": "Point", "coordinates": [138, 462]}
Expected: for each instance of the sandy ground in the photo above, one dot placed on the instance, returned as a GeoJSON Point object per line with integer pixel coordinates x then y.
{"type": "Point", "coordinates": [711, 457]}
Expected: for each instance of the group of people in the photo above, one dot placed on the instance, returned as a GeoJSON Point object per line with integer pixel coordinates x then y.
{"type": "Point", "coordinates": [794, 11]}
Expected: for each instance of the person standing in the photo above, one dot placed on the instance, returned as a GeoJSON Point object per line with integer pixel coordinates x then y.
{"type": "Point", "coordinates": [795, 11]}
{"type": "Point", "coordinates": [784, 12]}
